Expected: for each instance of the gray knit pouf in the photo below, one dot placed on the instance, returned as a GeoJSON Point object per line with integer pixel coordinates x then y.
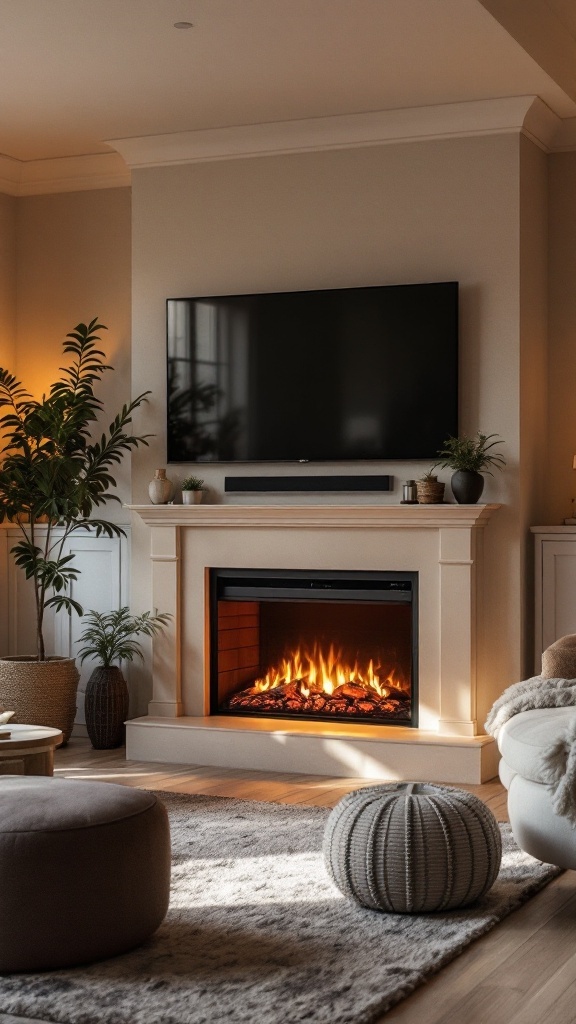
{"type": "Point", "coordinates": [412, 847]}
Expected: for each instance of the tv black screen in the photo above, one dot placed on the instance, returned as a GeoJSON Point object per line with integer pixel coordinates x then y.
{"type": "Point", "coordinates": [340, 374]}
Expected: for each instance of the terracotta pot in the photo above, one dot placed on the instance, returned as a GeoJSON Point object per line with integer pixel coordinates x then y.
{"type": "Point", "coordinates": [40, 692]}
{"type": "Point", "coordinates": [106, 707]}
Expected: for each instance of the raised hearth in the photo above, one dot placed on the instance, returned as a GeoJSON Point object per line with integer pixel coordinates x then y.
{"type": "Point", "coordinates": [440, 544]}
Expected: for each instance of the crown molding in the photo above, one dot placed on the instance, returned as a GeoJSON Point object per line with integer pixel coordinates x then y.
{"type": "Point", "coordinates": [565, 139]}
{"type": "Point", "coordinates": [9, 175]}
{"type": "Point", "coordinates": [526, 114]}
{"type": "Point", "coordinates": [541, 125]}
{"type": "Point", "coordinates": [62, 174]}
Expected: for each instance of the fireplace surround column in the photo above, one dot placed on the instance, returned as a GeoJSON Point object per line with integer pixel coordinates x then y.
{"type": "Point", "coordinates": [166, 660]}
{"type": "Point", "coordinates": [459, 580]}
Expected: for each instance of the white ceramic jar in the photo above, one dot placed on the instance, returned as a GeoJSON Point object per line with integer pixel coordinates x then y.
{"type": "Point", "coordinates": [192, 497]}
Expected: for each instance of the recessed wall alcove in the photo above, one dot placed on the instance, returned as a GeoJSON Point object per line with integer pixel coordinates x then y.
{"type": "Point", "coordinates": [441, 544]}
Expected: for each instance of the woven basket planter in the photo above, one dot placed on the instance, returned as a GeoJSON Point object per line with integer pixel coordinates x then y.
{"type": "Point", "coordinates": [412, 848]}
{"type": "Point", "coordinates": [430, 492]}
{"type": "Point", "coordinates": [106, 707]}
{"type": "Point", "coordinates": [40, 692]}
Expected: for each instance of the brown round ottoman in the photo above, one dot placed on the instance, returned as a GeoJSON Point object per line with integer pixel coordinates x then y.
{"type": "Point", "coordinates": [84, 870]}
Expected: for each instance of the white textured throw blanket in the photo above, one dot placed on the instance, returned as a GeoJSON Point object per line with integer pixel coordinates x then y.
{"type": "Point", "coordinates": [559, 759]}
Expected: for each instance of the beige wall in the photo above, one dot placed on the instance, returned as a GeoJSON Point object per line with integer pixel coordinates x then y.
{"type": "Point", "coordinates": [74, 263]}
{"type": "Point", "coordinates": [439, 210]}
{"type": "Point", "coordinates": [7, 281]}
{"type": "Point", "coordinates": [560, 477]}
{"type": "Point", "coordinates": [468, 209]}
{"type": "Point", "coordinates": [391, 214]}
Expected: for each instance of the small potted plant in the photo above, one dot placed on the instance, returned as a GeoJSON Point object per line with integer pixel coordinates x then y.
{"type": "Point", "coordinates": [429, 490]}
{"type": "Point", "coordinates": [468, 456]}
{"type": "Point", "coordinates": [192, 490]}
{"type": "Point", "coordinates": [112, 637]}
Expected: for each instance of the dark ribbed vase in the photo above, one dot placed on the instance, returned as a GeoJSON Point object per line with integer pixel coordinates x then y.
{"type": "Point", "coordinates": [106, 707]}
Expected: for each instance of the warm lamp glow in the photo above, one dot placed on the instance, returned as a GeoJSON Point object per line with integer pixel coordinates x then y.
{"type": "Point", "coordinates": [574, 462]}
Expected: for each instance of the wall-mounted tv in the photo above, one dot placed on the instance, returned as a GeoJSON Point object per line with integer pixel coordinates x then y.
{"type": "Point", "coordinates": [340, 374]}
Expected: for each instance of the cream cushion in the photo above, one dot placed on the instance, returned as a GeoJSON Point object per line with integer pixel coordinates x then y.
{"type": "Point", "coordinates": [559, 660]}
{"type": "Point", "coordinates": [524, 737]}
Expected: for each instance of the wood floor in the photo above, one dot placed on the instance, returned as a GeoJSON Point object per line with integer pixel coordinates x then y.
{"type": "Point", "coordinates": [522, 972]}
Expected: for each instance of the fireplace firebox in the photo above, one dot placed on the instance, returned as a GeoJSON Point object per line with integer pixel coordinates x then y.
{"type": "Point", "coordinates": [329, 645]}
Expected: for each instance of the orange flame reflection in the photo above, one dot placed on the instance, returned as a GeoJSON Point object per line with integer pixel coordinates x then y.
{"type": "Point", "coordinates": [318, 671]}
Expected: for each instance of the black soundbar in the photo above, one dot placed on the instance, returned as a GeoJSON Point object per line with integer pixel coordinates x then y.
{"type": "Point", "coordinates": [263, 484]}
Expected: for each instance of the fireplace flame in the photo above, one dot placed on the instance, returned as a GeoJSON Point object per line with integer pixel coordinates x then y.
{"type": "Point", "coordinates": [320, 671]}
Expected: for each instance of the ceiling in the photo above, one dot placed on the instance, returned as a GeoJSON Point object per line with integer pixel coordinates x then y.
{"type": "Point", "coordinates": [75, 74]}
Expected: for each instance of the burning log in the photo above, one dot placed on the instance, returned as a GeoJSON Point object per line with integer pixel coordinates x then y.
{"type": "Point", "coordinates": [393, 691]}
{"type": "Point", "coordinates": [320, 683]}
{"type": "Point", "coordinates": [292, 701]}
{"type": "Point", "coordinates": [354, 690]}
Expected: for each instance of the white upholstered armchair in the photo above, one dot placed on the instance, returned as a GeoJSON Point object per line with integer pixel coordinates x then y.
{"type": "Point", "coordinates": [538, 765]}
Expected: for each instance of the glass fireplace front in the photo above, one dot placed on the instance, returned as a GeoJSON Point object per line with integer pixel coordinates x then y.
{"type": "Point", "coordinates": [330, 645]}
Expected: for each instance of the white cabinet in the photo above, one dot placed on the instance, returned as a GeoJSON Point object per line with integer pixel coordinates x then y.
{"type": "Point", "coordinates": [555, 585]}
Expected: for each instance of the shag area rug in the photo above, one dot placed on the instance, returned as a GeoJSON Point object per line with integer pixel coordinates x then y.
{"type": "Point", "coordinates": [257, 934]}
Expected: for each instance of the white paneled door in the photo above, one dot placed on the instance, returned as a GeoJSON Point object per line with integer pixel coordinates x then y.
{"type": "Point", "coordinates": [102, 585]}
{"type": "Point", "coordinates": [555, 586]}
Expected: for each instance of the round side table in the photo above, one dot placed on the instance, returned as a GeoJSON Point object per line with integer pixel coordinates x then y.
{"type": "Point", "coordinates": [29, 751]}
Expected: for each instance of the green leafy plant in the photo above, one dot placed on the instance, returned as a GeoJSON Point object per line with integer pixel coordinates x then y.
{"type": "Point", "coordinates": [472, 453]}
{"type": "Point", "coordinates": [429, 476]}
{"type": "Point", "coordinates": [52, 471]}
{"type": "Point", "coordinates": [192, 483]}
{"type": "Point", "coordinates": [113, 636]}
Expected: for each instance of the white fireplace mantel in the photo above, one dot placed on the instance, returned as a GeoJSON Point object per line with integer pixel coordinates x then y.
{"type": "Point", "coordinates": [442, 543]}
{"type": "Point", "coordinates": [433, 517]}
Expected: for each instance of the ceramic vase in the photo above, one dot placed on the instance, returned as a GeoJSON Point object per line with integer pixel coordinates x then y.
{"type": "Point", "coordinates": [160, 489]}
{"type": "Point", "coordinates": [467, 486]}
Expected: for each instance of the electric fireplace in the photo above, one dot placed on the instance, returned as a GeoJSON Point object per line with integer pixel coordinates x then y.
{"type": "Point", "coordinates": [454, 671]}
{"type": "Point", "coordinates": [329, 645]}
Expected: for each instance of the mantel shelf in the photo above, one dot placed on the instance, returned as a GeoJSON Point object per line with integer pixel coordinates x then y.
{"type": "Point", "coordinates": [417, 517]}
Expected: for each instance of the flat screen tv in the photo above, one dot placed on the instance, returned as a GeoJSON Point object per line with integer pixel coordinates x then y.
{"type": "Point", "coordinates": [341, 374]}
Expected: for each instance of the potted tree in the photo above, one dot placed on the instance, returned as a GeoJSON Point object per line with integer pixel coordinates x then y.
{"type": "Point", "coordinates": [53, 476]}
{"type": "Point", "coordinates": [467, 456]}
{"type": "Point", "coordinates": [112, 637]}
{"type": "Point", "coordinates": [192, 490]}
